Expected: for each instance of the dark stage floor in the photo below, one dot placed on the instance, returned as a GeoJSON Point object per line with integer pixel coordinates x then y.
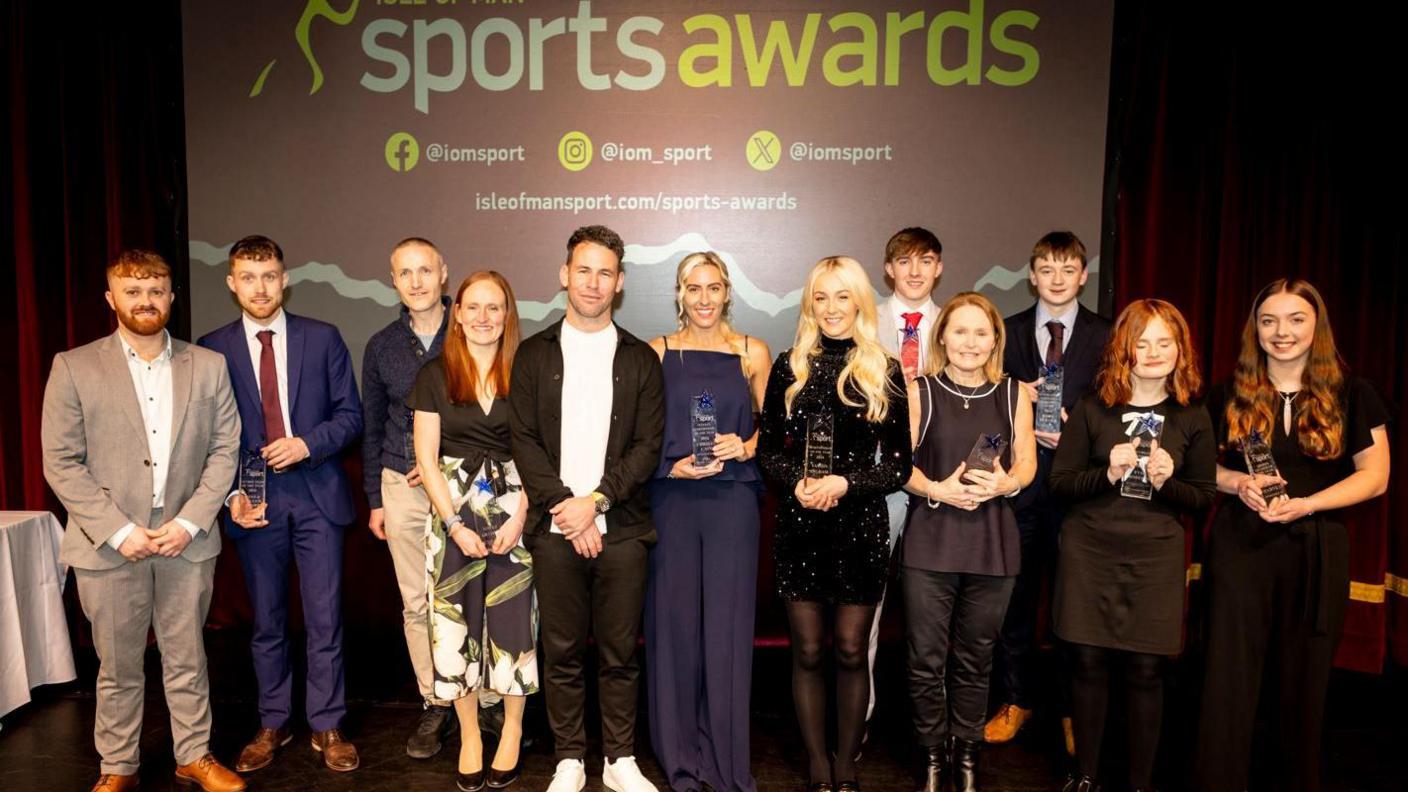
{"type": "Point", "coordinates": [48, 745]}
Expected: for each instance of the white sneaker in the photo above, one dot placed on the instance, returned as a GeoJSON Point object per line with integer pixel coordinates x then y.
{"type": "Point", "coordinates": [623, 775]}
{"type": "Point", "coordinates": [570, 776]}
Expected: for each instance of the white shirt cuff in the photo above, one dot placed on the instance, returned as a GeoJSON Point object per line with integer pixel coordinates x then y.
{"type": "Point", "coordinates": [115, 541]}
{"type": "Point", "coordinates": [231, 497]}
{"type": "Point", "coordinates": [191, 528]}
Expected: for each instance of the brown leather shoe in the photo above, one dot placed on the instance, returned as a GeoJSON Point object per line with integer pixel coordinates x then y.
{"type": "Point", "coordinates": [338, 754]}
{"type": "Point", "coordinates": [260, 751]}
{"type": "Point", "coordinates": [111, 782]}
{"type": "Point", "coordinates": [209, 775]}
{"type": "Point", "coordinates": [1006, 723]}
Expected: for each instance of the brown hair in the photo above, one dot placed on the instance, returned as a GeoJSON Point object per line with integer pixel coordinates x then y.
{"type": "Point", "coordinates": [1112, 380]}
{"type": "Point", "coordinates": [1058, 246]}
{"type": "Point", "coordinates": [1319, 416]}
{"type": "Point", "coordinates": [256, 247]}
{"type": "Point", "coordinates": [461, 376]}
{"type": "Point", "coordinates": [601, 235]}
{"type": "Point", "coordinates": [138, 263]}
{"type": "Point", "coordinates": [912, 240]}
{"type": "Point", "coordinates": [938, 356]}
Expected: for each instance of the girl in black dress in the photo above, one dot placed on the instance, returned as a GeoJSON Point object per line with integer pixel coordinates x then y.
{"type": "Point", "coordinates": [1120, 573]}
{"type": "Point", "coordinates": [831, 544]}
{"type": "Point", "coordinates": [1277, 571]}
{"type": "Point", "coordinates": [961, 550]}
{"type": "Point", "coordinates": [483, 609]}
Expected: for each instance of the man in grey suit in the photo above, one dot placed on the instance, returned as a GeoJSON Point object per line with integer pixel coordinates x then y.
{"type": "Point", "coordinates": [140, 434]}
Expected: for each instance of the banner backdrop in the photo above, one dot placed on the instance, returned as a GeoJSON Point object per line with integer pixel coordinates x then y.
{"type": "Point", "coordinates": [774, 134]}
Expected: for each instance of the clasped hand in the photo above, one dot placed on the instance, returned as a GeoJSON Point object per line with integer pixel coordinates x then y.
{"type": "Point", "coordinates": [822, 493]}
{"type": "Point", "coordinates": [1123, 458]}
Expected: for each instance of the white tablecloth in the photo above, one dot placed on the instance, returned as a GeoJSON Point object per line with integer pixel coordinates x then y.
{"type": "Point", "coordinates": [34, 644]}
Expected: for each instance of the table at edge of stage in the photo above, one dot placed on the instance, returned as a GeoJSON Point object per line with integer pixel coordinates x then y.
{"type": "Point", "coordinates": [34, 641]}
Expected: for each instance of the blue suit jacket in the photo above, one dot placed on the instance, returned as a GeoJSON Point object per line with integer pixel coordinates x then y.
{"type": "Point", "coordinates": [323, 407]}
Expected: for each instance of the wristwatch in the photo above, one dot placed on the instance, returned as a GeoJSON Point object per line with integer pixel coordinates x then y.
{"type": "Point", "coordinates": [450, 524]}
{"type": "Point", "coordinates": [603, 503]}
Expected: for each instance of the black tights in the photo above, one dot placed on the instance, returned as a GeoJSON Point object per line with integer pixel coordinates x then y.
{"type": "Point", "coordinates": [1144, 695]}
{"type": "Point", "coordinates": [851, 639]}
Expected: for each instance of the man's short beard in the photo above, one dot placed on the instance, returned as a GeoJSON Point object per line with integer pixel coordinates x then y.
{"type": "Point", "coordinates": [146, 326]}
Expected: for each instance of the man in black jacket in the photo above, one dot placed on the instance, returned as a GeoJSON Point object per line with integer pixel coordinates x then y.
{"type": "Point", "coordinates": [1056, 330]}
{"type": "Point", "coordinates": [587, 414]}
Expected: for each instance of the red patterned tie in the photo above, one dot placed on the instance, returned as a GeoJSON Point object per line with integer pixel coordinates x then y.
{"type": "Point", "coordinates": [269, 388]}
{"type": "Point", "coordinates": [909, 348]}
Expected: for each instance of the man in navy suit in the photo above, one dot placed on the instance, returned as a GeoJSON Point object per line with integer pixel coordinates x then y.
{"type": "Point", "coordinates": [1056, 330]}
{"type": "Point", "coordinates": [299, 409]}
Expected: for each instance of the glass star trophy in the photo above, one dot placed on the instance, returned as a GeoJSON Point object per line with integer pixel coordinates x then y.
{"type": "Point", "coordinates": [1257, 453]}
{"type": "Point", "coordinates": [254, 477]}
{"type": "Point", "coordinates": [703, 426]}
{"type": "Point", "coordinates": [821, 442]}
{"type": "Point", "coordinates": [1144, 430]}
{"type": "Point", "coordinates": [1048, 398]}
{"type": "Point", "coordinates": [482, 512]}
{"type": "Point", "coordinates": [987, 449]}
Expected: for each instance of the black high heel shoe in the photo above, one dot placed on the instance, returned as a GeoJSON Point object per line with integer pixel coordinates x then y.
{"type": "Point", "coordinates": [821, 786]}
{"type": "Point", "coordinates": [498, 779]}
{"type": "Point", "coordinates": [470, 782]}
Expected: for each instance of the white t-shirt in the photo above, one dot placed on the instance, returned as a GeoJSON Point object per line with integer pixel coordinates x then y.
{"type": "Point", "coordinates": [587, 368]}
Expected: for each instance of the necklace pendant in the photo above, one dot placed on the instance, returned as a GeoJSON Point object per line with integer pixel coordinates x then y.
{"type": "Point", "coordinates": [965, 404]}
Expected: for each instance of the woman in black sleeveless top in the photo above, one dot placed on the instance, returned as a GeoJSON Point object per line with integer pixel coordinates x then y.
{"type": "Point", "coordinates": [961, 550]}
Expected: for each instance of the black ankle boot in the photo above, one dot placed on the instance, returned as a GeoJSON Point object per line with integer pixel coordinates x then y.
{"type": "Point", "coordinates": [938, 765]}
{"type": "Point", "coordinates": [965, 765]}
{"type": "Point", "coordinates": [1075, 782]}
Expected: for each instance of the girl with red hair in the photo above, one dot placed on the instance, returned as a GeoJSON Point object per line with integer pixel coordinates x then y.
{"type": "Point", "coordinates": [1120, 573]}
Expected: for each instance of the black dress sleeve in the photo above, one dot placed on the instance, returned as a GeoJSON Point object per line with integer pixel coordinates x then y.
{"type": "Point", "coordinates": [429, 384]}
{"type": "Point", "coordinates": [1075, 476]}
{"type": "Point", "coordinates": [1192, 486]}
{"type": "Point", "coordinates": [781, 466]}
{"type": "Point", "coordinates": [893, 468]}
{"type": "Point", "coordinates": [1364, 412]}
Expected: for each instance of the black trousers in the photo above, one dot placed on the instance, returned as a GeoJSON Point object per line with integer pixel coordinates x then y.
{"type": "Point", "coordinates": [1016, 679]}
{"type": "Point", "coordinates": [602, 597]}
{"type": "Point", "coordinates": [1276, 603]}
{"type": "Point", "coordinates": [951, 624]}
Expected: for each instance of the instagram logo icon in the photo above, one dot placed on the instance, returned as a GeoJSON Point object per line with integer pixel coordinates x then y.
{"type": "Point", "coordinates": [574, 151]}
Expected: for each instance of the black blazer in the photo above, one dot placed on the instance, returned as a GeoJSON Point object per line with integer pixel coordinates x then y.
{"type": "Point", "coordinates": [632, 447]}
{"type": "Point", "coordinates": [1081, 360]}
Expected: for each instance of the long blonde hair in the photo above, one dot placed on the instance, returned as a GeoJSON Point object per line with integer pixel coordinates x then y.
{"type": "Point", "coordinates": [736, 341]}
{"type": "Point", "coordinates": [867, 365]}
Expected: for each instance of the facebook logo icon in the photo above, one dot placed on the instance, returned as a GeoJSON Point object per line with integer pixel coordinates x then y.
{"type": "Point", "coordinates": [402, 152]}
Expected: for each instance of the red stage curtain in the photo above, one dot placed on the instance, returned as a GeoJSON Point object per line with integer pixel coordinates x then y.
{"type": "Point", "coordinates": [1244, 154]}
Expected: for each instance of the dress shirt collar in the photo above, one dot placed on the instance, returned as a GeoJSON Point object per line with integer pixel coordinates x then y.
{"type": "Point", "coordinates": [1068, 318]}
{"type": "Point", "coordinates": [132, 353]}
{"type": "Point", "coordinates": [252, 328]}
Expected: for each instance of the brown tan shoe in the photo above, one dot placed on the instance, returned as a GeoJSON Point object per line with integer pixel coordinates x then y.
{"type": "Point", "coordinates": [112, 782]}
{"type": "Point", "coordinates": [260, 751]}
{"type": "Point", "coordinates": [1068, 729]}
{"type": "Point", "coordinates": [1006, 723]}
{"type": "Point", "coordinates": [338, 754]}
{"type": "Point", "coordinates": [209, 775]}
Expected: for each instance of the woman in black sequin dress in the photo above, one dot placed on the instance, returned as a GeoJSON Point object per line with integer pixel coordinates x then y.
{"type": "Point", "coordinates": [831, 544]}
